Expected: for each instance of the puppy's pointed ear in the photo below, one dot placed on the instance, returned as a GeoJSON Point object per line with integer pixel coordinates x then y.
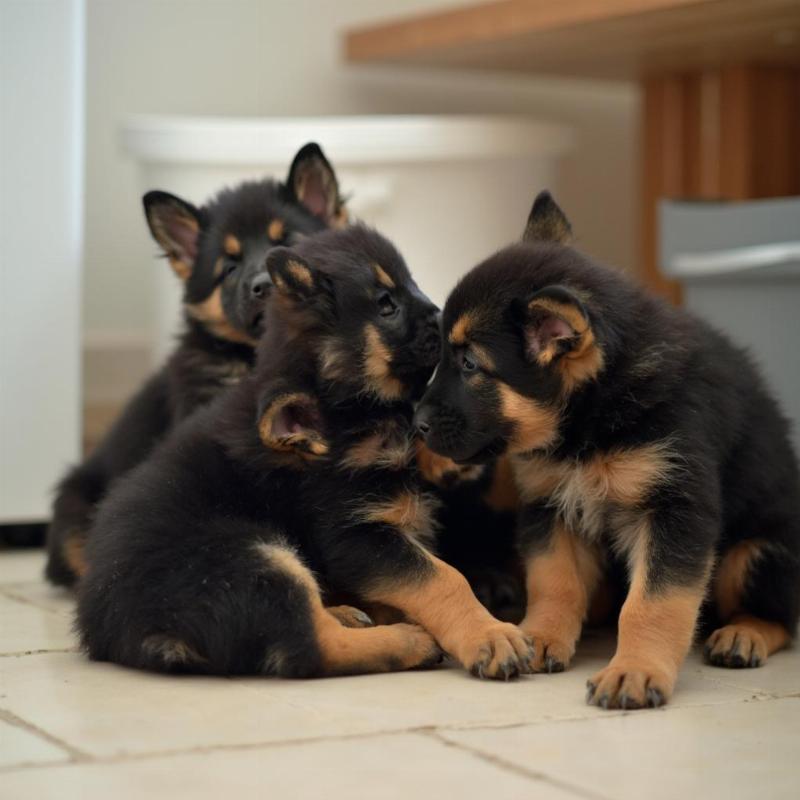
{"type": "Point", "coordinates": [547, 222]}
{"type": "Point", "coordinates": [175, 225]}
{"type": "Point", "coordinates": [557, 331]}
{"type": "Point", "coordinates": [312, 182]}
{"type": "Point", "coordinates": [295, 278]}
{"type": "Point", "coordinates": [292, 422]}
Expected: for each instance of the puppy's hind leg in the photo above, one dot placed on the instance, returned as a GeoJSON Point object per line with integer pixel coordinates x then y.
{"type": "Point", "coordinates": [757, 598]}
{"type": "Point", "coordinates": [73, 510]}
{"type": "Point", "coordinates": [341, 648]}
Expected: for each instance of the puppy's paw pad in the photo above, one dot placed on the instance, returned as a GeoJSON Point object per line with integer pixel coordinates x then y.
{"type": "Point", "coordinates": [735, 647]}
{"type": "Point", "coordinates": [629, 687]}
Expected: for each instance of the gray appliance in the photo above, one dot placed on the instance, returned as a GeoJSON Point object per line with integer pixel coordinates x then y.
{"type": "Point", "coordinates": [739, 264]}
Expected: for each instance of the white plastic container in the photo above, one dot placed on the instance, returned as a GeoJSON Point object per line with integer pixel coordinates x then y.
{"type": "Point", "coordinates": [447, 190]}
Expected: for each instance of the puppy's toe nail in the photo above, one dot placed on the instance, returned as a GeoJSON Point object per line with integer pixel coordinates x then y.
{"type": "Point", "coordinates": [364, 618]}
{"type": "Point", "coordinates": [654, 698]}
{"type": "Point", "coordinates": [553, 665]}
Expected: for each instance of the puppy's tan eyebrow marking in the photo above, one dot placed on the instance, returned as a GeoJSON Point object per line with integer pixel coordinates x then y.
{"type": "Point", "coordinates": [231, 245]}
{"type": "Point", "coordinates": [461, 328]}
{"type": "Point", "coordinates": [276, 230]}
{"type": "Point", "coordinates": [484, 357]}
{"type": "Point", "coordinates": [383, 278]}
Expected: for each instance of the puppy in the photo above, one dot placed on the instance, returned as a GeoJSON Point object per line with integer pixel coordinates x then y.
{"type": "Point", "coordinates": [476, 527]}
{"type": "Point", "coordinates": [218, 252]}
{"type": "Point", "coordinates": [219, 553]}
{"type": "Point", "coordinates": [638, 434]}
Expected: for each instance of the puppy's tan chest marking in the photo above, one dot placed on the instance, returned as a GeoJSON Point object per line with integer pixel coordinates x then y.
{"type": "Point", "coordinates": [585, 492]}
{"type": "Point", "coordinates": [377, 365]}
{"type": "Point", "coordinates": [229, 373]}
{"type": "Point", "coordinates": [388, 448]}
{"type": "Point", "coordinates": [211, 313]}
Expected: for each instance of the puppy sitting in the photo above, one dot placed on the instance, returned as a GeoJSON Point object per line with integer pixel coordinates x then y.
{"type": "Point", "coordinates": [216, 554]}
{"type": "Point", "coordinates": [638, 434]}
{"type": "Point", "coordinates": [476, 520]}
{"type": "Point", "coordinates": [217, 251]}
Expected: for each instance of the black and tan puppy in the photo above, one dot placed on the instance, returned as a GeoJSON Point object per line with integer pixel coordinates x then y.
{"type": "Point", "coordinates": [218, 554]}
{"type": "Point", "coordinates": [218, 253]}
{"type": "Point", "coordinates": [478, 504]}
{"type": "Point", "coordinates": [639, 435]}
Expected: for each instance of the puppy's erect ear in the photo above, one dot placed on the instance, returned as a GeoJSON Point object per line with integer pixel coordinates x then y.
{"type": "Point", "coordinates": [292, 422]}
{"type": "Point", "coordinates": [295, 278]}
{"type": "Point", "coordinates": [175, 225]}
{"type": "Point", "coordinates": [312, 182]}
{"type": "Point", "coordinates": [547, 222]}
{"type": "Point", "coordinates": [557, 330]}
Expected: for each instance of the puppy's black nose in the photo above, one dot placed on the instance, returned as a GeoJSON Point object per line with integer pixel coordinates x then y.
{"type": "Point", "coordinates": [422, 422]}
{"type": "Point", "coordinates": [260, 286]}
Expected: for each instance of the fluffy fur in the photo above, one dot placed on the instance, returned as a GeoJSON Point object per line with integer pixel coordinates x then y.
{"type": "Point", "coordinates": [217, 251]}
{"type": "Point", "coordinates": [223, 552]}
{"type": "Point", "coordinates": [640, 438]}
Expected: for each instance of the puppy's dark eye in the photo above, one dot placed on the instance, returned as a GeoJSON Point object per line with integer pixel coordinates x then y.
{"type": "Point", "coordinates": [467, 364]}
{"type": "Point", "coordinates": [386, 306]}
{"type": "Point", "coordinates": [230, 268]}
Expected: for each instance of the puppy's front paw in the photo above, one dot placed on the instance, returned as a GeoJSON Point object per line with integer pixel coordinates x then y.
{"type": "Point", "coordinates": [499, 650]}
{"type": "Point", "coordinates": [630, 685]}
{"type": "Point", "coordinates": [551, 653]}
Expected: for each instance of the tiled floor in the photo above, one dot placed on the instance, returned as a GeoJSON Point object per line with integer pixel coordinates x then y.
{"type": "Point", "coordinates": [70, 728]}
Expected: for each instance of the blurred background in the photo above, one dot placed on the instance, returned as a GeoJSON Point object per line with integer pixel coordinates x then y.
{"type": "Point", "coordinates": [614, 106]}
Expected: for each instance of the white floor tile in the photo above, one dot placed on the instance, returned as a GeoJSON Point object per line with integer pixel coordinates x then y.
{"type": "Point", "coordinates": [107, 710]}
{"type": "Point", "coordinates": [17, 566]}
{"type": "Point", "coordinates": [381, 768]}
{"type": "Point", "coordinates": [739, 750]}
{"type": "Point", "coordinates": [21, 747]}
{"type": "Point", "coordinates": [24, 628]}
{"type": "Point", "coordinates": [42, 595]}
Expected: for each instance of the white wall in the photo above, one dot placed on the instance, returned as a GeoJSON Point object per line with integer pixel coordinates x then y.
{"type": "Point", "coordinates": [41, 174]}
{"type": "Point", "coordinates": [282, 57]}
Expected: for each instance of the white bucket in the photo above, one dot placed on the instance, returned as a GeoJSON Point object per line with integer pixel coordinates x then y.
{"type": "Point", "coordinates": [447, 190]}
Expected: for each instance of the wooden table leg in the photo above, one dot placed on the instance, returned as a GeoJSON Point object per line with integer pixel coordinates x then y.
{"type": "Point", "coordinates": [725, 133]}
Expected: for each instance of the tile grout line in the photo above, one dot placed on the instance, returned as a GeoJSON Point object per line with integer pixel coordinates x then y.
{"type": "Point", "coordinates": [434, 731]}
{"type": "Point", "coordinates": [125, 758]}
{"type": "Point", "coordinates": [10, 594]}
{"type": "Point", "coordinates": [39, 652]}
{"type": "Point", "coordinates": [757, 693]}
{"type": "Point", "coordinates": [508, 766]}
{"type": "Point", "coordinates": [75, 755]}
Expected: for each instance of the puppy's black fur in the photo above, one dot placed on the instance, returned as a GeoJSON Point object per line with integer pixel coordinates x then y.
{"type": "Point", "coordinates": [215, 555]}
{"type": "Point", "coordinates": [478, 504]}
{"type": "Point", "coordinates": [218, 252]}
{"type": "Point", "coordinates": [638, 434]}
